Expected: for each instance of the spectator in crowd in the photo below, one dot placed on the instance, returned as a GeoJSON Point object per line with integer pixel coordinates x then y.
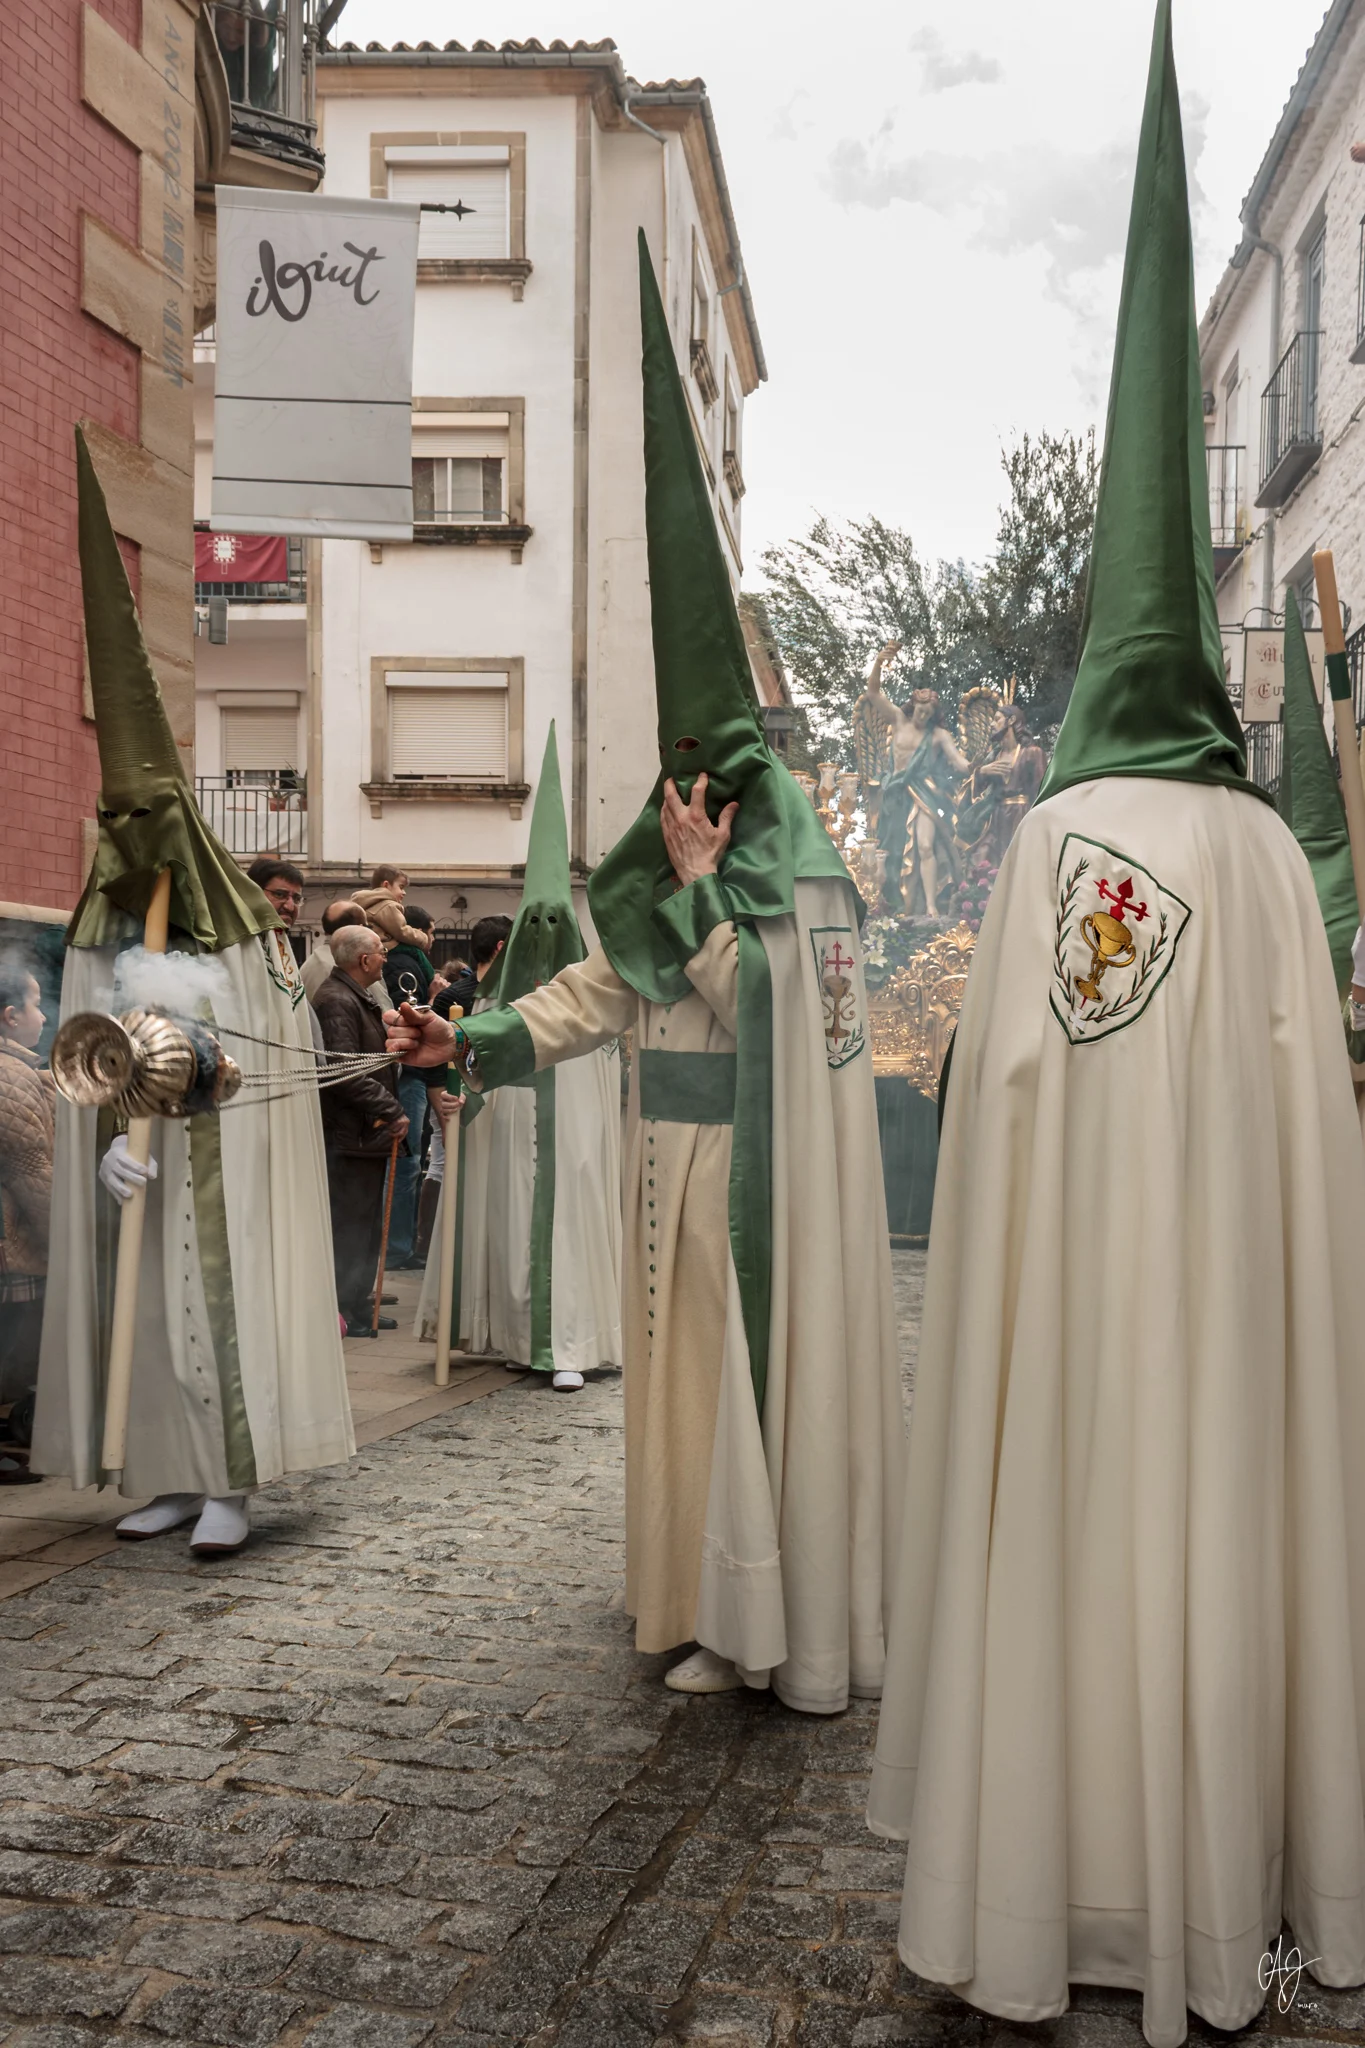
{"type": "Point", "coordinates": [409, 978]}
{"type": "Point", "coordinates": [282, 885]}
{"type": "Point", "coordinates": [320, 963]}
{"type": "Point", "coordinates": [27, 1117]}
{"type": "Point", "coordinates": [385, 911]}
{"type": "Point", "coordinates": [361, 1117]}
{"type": "Point", "coordinates": [391, 881]}
{"type": "Point", "coordinates": [486, 942]}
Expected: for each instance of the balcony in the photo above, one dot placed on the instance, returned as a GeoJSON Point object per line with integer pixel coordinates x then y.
{"type": "Point", "coordinates": [1265, 755]}
{"type": "Point", "coordinates": [1290, 438]}
{"type": "Point", "coordinates": [1227, 520]}
{"type": "Point", "coordinates": [703, 370]}
{"type": "Point", "coordinates": [266, 51]}
{"type": "Point", "coordinates": [291, 589]}
{"type": "Point", "coordinates": [256, 810]}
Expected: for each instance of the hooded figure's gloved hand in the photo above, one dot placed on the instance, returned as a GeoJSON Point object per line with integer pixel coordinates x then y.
{"type": "Point", "coordinates": [121, 1175]}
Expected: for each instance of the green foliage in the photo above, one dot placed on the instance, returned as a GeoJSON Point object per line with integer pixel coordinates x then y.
{"type": "Point", "coordinates": [837, 596]}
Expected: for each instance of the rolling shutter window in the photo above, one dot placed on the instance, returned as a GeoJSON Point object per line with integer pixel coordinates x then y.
{"type": "Point", "coordinates": [265, 738]}
{"type": "Point", "coordinates": [480, 231]}
{"type": "Point", "coordinates": [448, 732]}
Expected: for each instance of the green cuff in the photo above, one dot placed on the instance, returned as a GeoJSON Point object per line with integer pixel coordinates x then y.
{"type": "Point", "coordinates": [688, 917]}
{"type": "Point", "coordinates": [501, 1046]}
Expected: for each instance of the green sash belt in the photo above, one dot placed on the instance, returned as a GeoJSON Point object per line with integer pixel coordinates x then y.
{"type": "Point", "coordinates": [687, 1087]}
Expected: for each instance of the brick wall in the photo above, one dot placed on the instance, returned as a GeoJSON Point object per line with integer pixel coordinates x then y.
{"type": "Point", "coordinates": [60, 366]}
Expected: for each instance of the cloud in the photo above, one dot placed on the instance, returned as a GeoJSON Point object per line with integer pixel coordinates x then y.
{"type": "Point", "coordinates": [785, 126]}
{"type": "Point", "coordinates": [942, 72]}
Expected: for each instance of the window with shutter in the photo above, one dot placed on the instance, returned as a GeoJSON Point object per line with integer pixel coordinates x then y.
{"type": "Point", "coordinates": [441, 729]}
{"type": "Point", "coordinates": [476, 193]}
{"type": "Point", "coordinates": [259, 741]}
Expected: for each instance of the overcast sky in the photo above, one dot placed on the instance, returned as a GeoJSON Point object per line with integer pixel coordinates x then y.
{"type": "Point", "coordinates": [932, 201]}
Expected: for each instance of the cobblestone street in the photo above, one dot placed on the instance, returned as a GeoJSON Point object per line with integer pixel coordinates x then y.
{"type": "Point", "coordinates": [396, 1775]}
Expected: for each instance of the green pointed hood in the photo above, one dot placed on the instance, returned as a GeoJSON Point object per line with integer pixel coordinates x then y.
{"type": "Point", "coordinates": [148, 818]}
{"type": "Point", "coordinates": [1310, 797]}
{"type": "Point", "coordinates": [1149, 697]}
{"type": "Point", "coordinates": [545, 935]}
{"type": "Point", "coordinates": [708, 714]}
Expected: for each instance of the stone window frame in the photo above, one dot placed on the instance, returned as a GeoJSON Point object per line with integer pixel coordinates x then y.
{"type": "Point", "coordinates": [512, 269]}
{"type": "Point", "coordinates": [382, 789]}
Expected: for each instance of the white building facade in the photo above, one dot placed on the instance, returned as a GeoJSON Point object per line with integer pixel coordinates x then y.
{"type": "Point", "coordinates": [410, 688]}
{"type": "Point", "coordinates": [1282, 347]}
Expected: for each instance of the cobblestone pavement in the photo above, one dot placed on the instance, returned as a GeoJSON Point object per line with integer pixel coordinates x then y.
{"type": "Point", "coordinates": [395, 1775]}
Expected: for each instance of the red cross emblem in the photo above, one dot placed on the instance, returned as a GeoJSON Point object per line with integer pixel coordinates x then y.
{"type": "Point", "coordinates": [1122, 901]}
{"type": "Point", "coordinates": [836, 959]}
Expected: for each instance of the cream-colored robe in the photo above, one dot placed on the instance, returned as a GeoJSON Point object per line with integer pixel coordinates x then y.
{"type": "Point", "coordinates": [768, 1544]}
{"type": "Point", "coordinates": [207, 1415]}
{"type": "Point", "coordinates": [1124, 1715]}
{"type": "Point", "coordinates": [495, 1248]}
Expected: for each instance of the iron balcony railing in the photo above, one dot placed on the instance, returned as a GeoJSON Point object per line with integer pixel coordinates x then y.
{"type": "Point", "coordinates": [1265, 753]}
{"type": "Point", "coordinates": [1226, 519]}
{"type": "Point", "coordinates": [1290, 440]}
{"type": "Point", "coordinates": [256, 810]}
{"type": "Point", "coordinates": [268, 48]}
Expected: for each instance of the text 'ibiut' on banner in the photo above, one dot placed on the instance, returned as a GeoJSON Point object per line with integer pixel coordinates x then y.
{"type": "Point", "coordinates": [312, 416]}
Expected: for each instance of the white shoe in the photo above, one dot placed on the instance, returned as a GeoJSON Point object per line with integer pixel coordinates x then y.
{"type": "Point", "coordinates": [704, 1671]}
{"type": "Point", "coordinates": [167, 1511]}
{"type": "Point", "coordinates": [222, 1528]}
{"type": "Point", "coordinates": [567, 1382]}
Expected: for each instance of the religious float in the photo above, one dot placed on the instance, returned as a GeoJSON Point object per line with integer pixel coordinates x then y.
{"type": "Point", "coordinates": [922, 823]}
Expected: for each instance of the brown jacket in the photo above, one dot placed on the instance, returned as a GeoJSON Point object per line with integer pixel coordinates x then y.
{"type": "Point", "coordinates": [386, 917]}
{"type": "Point", "coordinates": [355, 1113]}
{"type": "Point", "coordinates": [27, 1125]}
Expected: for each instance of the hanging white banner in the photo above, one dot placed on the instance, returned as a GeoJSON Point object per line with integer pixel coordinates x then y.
{"type": "Point", "coordinates": [312, 413]}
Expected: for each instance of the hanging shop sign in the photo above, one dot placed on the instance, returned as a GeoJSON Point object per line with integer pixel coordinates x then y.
{"type": "Point", "coordinates": [312, 414]}
{"type": "Point", "coordinates": [1263, 672]}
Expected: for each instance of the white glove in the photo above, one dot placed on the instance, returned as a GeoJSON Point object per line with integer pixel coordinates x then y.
{"type": "Point", "coordinates": [121, 1175]}
{"type": "Point", "coordinates": [1358, 958]}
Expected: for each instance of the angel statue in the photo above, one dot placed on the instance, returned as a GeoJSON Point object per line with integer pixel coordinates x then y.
{"type": "Point", "coordinates": [914, 816]}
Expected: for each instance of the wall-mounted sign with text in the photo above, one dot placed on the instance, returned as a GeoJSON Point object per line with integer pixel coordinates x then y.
{"type": "Point", "coordinates": [1263, 672]}
{"type": "Point", "coordinates": [312, 414]}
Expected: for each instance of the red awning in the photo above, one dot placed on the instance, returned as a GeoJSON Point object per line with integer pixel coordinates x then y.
{"type": "Point", "coordinates": [241, 558]}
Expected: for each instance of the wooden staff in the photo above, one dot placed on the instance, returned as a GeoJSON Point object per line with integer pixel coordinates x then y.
{"type": "Point", "coordinates": [384, 1236]}
{"type": "Point", "coordinates": [119, 1384]}
{"type": "Point", "coordinates": [1343, 713]}
{"type": "Point", "coordinates": [449, 1249]}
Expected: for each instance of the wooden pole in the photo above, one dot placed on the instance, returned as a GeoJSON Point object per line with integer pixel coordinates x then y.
{"type": "Point", "coordinates": [384, 1237]}
{"type": "Point", "coordinates": [1343, 713]}
{"type": "Point", "coordinates": [449, 1249]}
{"type": "Point", "coordinates": [119, 1385]}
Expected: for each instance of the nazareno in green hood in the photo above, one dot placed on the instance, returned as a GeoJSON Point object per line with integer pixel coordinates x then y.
{"type": "Point", "coordinates": [708, 713]}
{"type": "Point", "coordinates": [148, 818]}
{"type": "Point", "coordinates": [1310, 797]}
{"type": "Point", "coordinates": [1149, 696]}
{"type": "Point", "coordinates": [545, 935]}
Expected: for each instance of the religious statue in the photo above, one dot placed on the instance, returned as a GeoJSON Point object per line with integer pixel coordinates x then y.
{"type": "Point", "coordinates": [915, 811]}
{"type": "Point", "coordinates": [1002, 784]}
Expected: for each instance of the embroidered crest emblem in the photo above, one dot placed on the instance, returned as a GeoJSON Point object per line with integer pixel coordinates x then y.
{"type": "Point", "coordinates": [841, 999]}
{"type": "Point", "coordinates": [1116, 936]}
{"type": "Point", "coordinates": [282, 967]}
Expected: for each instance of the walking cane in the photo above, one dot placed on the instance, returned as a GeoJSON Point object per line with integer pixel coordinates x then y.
{"type": "Point", "coordinates": [119, 1382]}
{"type": "Point", "coordinates": [384, 1238]}
{"type": "Point", "coordinates": [450, 1207]}
{"type": "Point", "coordinates": [1343, 713]}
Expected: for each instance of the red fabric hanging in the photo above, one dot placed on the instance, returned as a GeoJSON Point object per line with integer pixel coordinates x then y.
{"type": "Point", "coordinates": [241, 558]}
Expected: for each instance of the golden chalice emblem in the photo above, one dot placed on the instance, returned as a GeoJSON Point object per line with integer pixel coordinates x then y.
{"type": "Point", "coordinates": [1111, 945]}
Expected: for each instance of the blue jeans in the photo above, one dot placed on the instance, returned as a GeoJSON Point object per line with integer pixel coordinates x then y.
{"type": "Point", "coordinates": [412, 1095]}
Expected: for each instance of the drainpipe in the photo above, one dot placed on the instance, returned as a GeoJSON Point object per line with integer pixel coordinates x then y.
{"type": "Point", "coordinates": [1276, 256]}
{"type": "Point", "coordinates": [627, 108]}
